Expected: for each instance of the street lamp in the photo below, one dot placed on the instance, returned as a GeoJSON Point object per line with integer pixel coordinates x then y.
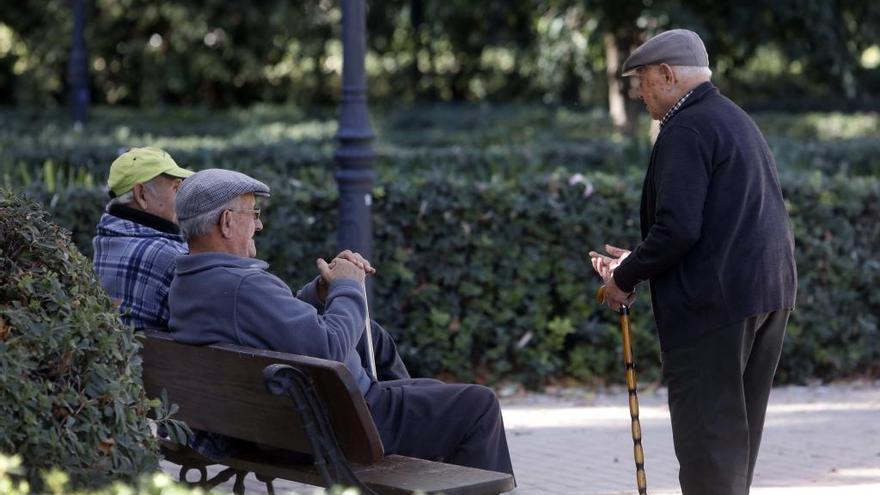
{"type": "Point", "coordinates": [355, 155]}
{"type": "Point", "coordinates": [78, 66]}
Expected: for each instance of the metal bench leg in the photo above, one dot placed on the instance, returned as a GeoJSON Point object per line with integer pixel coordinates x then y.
{"type": "Point", "coordinates": [270, 490]}
{"type": "Point", "coordinates": [238, 488]}
{"type": "Point", "coordinates": [284, 379]}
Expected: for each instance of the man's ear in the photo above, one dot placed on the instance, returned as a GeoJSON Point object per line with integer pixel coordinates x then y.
{"type": "Point", "coordinates": [140, 195]}
{"type": "Point", "coordinates": [225, 224]}
{"type": "Point", "coordinates": [668, 74]}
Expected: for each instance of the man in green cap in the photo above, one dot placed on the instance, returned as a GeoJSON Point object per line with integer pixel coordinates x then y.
{"type": "Point", "coordinates": [137, 238]}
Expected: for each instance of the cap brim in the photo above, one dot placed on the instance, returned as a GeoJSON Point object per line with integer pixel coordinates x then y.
{"type": "Point", "coordinates": [178, 172]}
{"type": "Point", "coordinates": [631, 72]}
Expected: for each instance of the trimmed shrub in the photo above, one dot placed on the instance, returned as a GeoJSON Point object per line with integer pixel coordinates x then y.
{"type": "Point", "coordinates": [487, 280]}
{"type": "Point", "coordinates": [482, 224]}
{"type": "Point", "coordinates": [835, 329]}
{"type": "Point", "coordinates": [70, 375]}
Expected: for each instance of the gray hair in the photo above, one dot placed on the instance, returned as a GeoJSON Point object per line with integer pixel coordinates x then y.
{"type": "Point", "coordinates": [128, 197]}
{"type": "Point", "coordinates": [202, 224]}
{"type": "Point", "coordinates": [692, 72]}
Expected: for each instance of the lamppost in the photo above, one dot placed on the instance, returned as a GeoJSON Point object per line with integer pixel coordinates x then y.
{"type": "Point", "coordinates": [354, 155]}
{"type": "Point", "coordinates": [78, 66]}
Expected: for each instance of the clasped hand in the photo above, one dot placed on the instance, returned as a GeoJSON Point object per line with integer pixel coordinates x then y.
{"type": "Point", "coordinates": [605, 266]}
{"type": "Point", "coordinates": [347, 265]}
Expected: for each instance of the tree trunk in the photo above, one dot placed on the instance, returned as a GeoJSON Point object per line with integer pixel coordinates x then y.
{"type": "Point", "coordinates": [415, 75]}
{"type": "Point", "coordinates": [622, 107]}
{"type": "Point", "coordinates": [616, 108]}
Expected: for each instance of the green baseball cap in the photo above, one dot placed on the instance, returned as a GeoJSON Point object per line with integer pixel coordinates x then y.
{"type": "Point", "coordinates": [141, 165]}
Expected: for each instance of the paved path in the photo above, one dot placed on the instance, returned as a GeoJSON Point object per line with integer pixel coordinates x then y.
{"type": "Point", "coordinates": [817, 440]}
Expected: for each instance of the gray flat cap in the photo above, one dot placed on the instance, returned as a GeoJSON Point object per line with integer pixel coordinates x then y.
{"type": "Point", "coordinates": [673, 47]}
{"type": "Point", "coordinates": [212, 188]}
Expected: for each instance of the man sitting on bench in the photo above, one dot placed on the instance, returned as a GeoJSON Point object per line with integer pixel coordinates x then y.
{"type": "Point", "coordinates": [221, 294]}
{"type": "Point", "coordinates": [137, 238]}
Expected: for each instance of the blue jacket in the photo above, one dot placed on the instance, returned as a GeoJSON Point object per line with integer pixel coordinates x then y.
{"type": "Point", "coordinates": [135, 263]}
{"type": "Point", "coordinates": [222, 298]}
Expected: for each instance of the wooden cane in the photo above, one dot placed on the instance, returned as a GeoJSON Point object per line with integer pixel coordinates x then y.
{"type": "Point", "coordinates": [638, 453]}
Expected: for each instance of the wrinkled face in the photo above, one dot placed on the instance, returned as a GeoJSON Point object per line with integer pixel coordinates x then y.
{"type": "Point", "coordinates": [243, 223]}
{"type": "Point", "coordinates": [654, 90]}
{"type": "Point", "coordinates": [159, 195]}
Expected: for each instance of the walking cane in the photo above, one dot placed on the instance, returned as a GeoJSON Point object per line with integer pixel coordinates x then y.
{"type": "Point", "coordinates": [638, 454]}
{"type": "Point", "coordinates": [370, 353]}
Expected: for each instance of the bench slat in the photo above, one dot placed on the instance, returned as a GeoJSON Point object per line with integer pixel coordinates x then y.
{"type": "Point", "coordinates": [393, 475]}
{"type": "Point", "coordinates": [221, 389]}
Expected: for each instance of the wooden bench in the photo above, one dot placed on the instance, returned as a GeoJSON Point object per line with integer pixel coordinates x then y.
{"type": "Point", "coordinates": [309, 419]}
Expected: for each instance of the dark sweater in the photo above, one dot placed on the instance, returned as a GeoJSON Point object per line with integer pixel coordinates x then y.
{"type": "Point", "coordinates": [716, 245]}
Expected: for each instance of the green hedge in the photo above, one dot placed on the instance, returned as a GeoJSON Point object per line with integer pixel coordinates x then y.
{"type": "Point", "coordinates": [476, 141]}
{"type": "Point", "coordinates": [488, 280]}
{"type": "Point", "coordinates": [481, 245]}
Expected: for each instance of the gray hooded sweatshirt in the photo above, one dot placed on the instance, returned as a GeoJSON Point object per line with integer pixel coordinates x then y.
{"type": "Point", "coordinates": [222, 298]}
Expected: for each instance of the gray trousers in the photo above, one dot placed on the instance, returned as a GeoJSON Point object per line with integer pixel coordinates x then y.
{"type": "Point", "coordinates": [719, 386]}
{"type": "Point", "coordinates": [455, 422]}
{"type": "Point", "coordinates": [421, 417]}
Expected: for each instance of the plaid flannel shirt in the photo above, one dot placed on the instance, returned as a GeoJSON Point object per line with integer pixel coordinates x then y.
{"type": "Point", "coordinates": [136, 264]}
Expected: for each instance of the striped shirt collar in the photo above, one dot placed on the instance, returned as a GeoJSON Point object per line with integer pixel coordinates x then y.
{"type": "Point", "coordinates": [675, 108]}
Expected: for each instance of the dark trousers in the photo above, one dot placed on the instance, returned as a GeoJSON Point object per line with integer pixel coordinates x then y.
{"type": "Point", "coordinates": [458, 423]}
{"type": "Point", "coordinates": [719, 386]}
{"type": "Point", "coordinates": [389, 366]}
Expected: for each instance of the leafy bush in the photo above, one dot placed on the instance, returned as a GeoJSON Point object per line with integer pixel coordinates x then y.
{"type": "Point", "coordinates": [57, 482]}
{"type": "Point", "coordinates": [835, 330]}
{"type": "Point", "coordinates": [70, 374]}
{"type": "Point", "coordinates": [487, 280]}
{"type": "Point", "coordinates": [481, 226]}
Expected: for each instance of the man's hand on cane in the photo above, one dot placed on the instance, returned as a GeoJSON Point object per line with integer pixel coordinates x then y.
{"type": "Point", "coordinates": [340, 269]}
{"type": "Point", "coordinates": [357, 259]}
{"type": "Point", "coordinates": [347, 256]}
{"type": "Point", "coordinates": [352, 266]}
{"type": "Point", "coordinates": [605, 266]}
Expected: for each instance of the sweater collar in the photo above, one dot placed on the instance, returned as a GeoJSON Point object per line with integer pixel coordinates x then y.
{"type": "Point", "coordinates": [691, 98]}
{"type": "Point", "coordinates": [703, 90]}
{"type": "Point", "coordinates": [144, 218]}
{"type": "Point", "coordinates": [675, 108]}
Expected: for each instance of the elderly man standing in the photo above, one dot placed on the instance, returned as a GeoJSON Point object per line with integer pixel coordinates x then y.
{"type": "Point", "coordinates": [137, 238]}
{"type": "Point", "coordinates": [718, 251]}
{"type": "Point", "coordinates": [240, 302]}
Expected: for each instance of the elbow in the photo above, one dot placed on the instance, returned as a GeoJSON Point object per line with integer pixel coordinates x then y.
{"type": "Point", "coordinates": [688, 239]}
{"type": "Point", "coordinates": [683, 237]}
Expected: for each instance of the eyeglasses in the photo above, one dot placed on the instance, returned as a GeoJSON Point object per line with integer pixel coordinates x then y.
{"type": "Point", "coordinates": [255, 212]}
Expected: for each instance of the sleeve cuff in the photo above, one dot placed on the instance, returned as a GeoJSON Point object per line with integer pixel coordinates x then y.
{"type": "Point", "coordinates": [309, 293]}
{"type": "Point", "coordinates": [342, 284]}
{"type": "Point", "coordinates": [622, 282]}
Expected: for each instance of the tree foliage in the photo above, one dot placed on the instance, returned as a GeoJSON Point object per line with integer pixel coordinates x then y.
{"type": "Point", "coordinates": [211, 52]}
